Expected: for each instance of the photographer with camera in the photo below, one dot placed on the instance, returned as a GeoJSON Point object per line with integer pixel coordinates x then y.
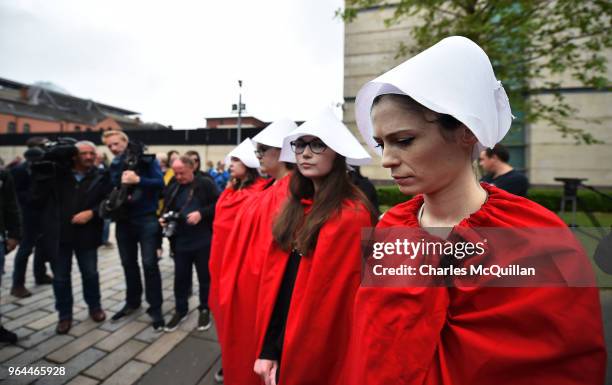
{"type": "Point", "coordinates": [189, 208]}
{"type": "Point", "coordinates": [138, 182]}
{"type": "Point", "coordinates": [67, 189]}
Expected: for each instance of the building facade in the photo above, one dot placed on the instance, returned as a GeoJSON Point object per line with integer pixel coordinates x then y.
{"type": "Point", "coordinates": [539, 150]}
{"type": "Point", "coordinates": [33, 109]}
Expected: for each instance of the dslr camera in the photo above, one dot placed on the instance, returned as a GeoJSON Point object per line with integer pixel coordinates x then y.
{"type": "Point", "coordinates": [171, 218]}
{"type": "Point", "coordinates": [134, 157]}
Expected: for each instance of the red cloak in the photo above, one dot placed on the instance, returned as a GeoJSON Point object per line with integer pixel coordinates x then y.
{"type": "Point", "coordinates": [251, 240]}
{"type": "Point", "coordinates": [485, 335]}
{"type": "Point", "coordinates": [317, 330]}
{"type": "Point", "coordinates": [228, 206]}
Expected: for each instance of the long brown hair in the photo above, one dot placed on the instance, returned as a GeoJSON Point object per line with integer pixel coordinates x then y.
{"type": "Point", "coordinates": [251, 176]}
{"type": "Point", "coordinates": [292, 229]}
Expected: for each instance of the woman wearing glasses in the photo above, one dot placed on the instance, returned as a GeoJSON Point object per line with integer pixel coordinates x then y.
{"type": "Point", "coordinates": [251, 238]}
{"type": "Point", "coordinates": [245, 181]}
{"type": "Point", "coordinates": [312, 270]}
{"type": "Point", "coordinates": [431, 116]}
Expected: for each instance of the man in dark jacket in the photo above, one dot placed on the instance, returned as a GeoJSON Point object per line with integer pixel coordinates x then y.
{"type": "Point", "coordinates": [494, 162]}
{"type": "Point", "coordinates": [78, 193]}
{"type": "Point", "coordinates": [193, 198]}
{"type": "Point", "coordinates": [137, 226]}
{"type": "Point", "coordinates": [22, 176]}
{"type": "Point", "coordinates": [10, 232]}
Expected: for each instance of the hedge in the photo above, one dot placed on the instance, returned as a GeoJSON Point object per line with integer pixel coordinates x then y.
{"type": "Point", "coordinates": [547, 197]}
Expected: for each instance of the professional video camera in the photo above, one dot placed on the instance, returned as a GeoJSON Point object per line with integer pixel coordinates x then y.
{"type": "Point", "coordinates": [172, 219]}
{"type": "Point", "coordinates": [47, 159]}
{"type": "Point", "coordinates": [133, 158]}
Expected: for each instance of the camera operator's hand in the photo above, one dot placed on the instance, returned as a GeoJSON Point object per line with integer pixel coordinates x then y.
{"type": "Point", "coordinates": [11, 243]}
{"type": "Point", "coordinates": [82, 217]}
{"type": "Point", "coordinates": [130, 177]}
{"type": "Point", "coordinates": [194, 218]}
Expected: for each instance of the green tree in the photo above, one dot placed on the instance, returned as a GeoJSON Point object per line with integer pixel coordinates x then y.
{"type": "Point", "coordinates": [530, 44]}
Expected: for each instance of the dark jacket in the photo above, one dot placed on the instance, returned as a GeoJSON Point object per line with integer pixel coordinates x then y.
{"type": "Point", "coordinates": [80, 196]}
{"type": "Point", "coordinates": [64, 198]}
{"type": "Point", "coordinates": [204, 199]}
{"type": "Point", "coordinates": [10, 221]}
{"type": "Point", "coordinates": [145, 195]}
{"type": "Point", "coordinates": [23, 187]}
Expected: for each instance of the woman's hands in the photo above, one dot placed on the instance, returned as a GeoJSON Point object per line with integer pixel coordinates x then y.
{"type": "Point", "coordinates": [266, 369]}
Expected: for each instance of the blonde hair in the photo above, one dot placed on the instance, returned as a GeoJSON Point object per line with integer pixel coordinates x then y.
{"type": "Point", "coordinates": [109, 133]}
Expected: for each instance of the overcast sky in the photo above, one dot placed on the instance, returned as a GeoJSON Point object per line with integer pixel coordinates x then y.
{"type": "Point", "coordinates": [177, 63]}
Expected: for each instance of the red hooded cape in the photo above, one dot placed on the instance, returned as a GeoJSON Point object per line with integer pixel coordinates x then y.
{"type": "Point", "coordinates": [251, 240]}
{"type": "Point", "coordinates": [485, 335]}
{"type": "Point", "coordinates": [228, 206]}
{"type": "Point", "coordinates": [318, 324]}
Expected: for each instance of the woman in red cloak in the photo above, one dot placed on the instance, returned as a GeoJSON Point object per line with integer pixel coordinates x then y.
{"type": "Point", "coordinates": [251, 239]}
{"type": "Point", "coordinates": [312, 270]}
{"type": "Point", "coordinates": [430, 116]}
{"type": "Point", "coordinates": [245, 181]}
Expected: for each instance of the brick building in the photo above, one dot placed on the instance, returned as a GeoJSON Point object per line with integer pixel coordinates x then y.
{"type": "Point", "coordinates": [32, 109]}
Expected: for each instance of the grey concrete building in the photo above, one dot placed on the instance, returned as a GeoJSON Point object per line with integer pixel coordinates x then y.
{"type": "Point", "coordinates": [370, 49]}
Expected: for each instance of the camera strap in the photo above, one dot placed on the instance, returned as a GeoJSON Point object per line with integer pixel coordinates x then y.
{"type": "Point", "coordinates": [175, 193]}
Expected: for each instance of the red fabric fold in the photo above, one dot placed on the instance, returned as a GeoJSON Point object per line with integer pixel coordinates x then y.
{"type": "Point", "coordinates": [250, 241]}
{"type": "Point", "coordinates": [228, 206]}
{"type": "Point", "coordinates": [318, 324]}
{"type": "Point", "coordinates": [439, 335]}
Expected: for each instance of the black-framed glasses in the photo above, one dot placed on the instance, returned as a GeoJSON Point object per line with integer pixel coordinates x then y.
{"type": "Point", "coordinates": [316, 146]}
{"type": "Point", "coordinates": [261, 150]}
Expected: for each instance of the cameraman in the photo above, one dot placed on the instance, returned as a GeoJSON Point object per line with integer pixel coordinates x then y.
{"type": "Point", "coordinates": [189, 202]}
{"type": "Point", "coordinates": [30, 217]}
{"type": "Point", "coordinates": [66, 189]}
{"type": "Point", "coordinates": [79, 193]}
{"type": "Point", "coordinates": [137, 225]}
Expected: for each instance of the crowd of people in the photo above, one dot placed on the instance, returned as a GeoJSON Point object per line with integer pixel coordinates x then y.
{"type": "Point", "coordinates": [277, 243]}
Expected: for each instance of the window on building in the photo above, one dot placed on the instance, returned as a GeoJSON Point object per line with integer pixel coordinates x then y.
{"type": "Point", "coordinates": [12, 128]}
{"type": "Point", "coordinates": [26, 128]}
{"type": "Point", "coordinates": [77, 128]}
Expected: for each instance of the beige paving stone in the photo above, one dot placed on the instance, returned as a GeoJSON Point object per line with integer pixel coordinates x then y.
{"type": "Point", "coordinates": [77, 346]}
{"type": "Point", "coordinates": [82, 380]}
{"type": "Point", "coordinates": [81, 315]}
{"type": "Point", "coordinates": [113, 361]}
{"type": "Point", "coordinates": [19, 311]}
{"type": "Point", "coordinates": [44, 322]}
{"type": "Point", "coordinates": [161, 347]}
{"type": "Point", "coordinates": [39, 351]}
{"type": "Point", "coordinates": [48, 292]}
{"type": "Point", "coordinates": [24, 320]}
{"type": "Point", "coordinates": [73, 367]}
{"type": "Point", "coordinates": [9, 351]}
{"type": "Point", "coordinates": [37, 337]}
{"type": "Point", "coordinates": [191, 322]}
{"type": "Point", "coordinates": [121, 335]}
{"type": "Point", "coordinates": [83, 327]}
{"type": "Point", "coordinates": [128, 374]}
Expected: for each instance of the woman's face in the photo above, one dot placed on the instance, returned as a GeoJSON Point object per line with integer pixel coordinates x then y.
{"type": "Point", "coordinates": [420, 158]}
{"type": "Point", "coordinates": [268, 158]}
{"type": "Point", "coordinates": [310, 164]}
{"type": "Point", "coordinates": [237, 169]}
